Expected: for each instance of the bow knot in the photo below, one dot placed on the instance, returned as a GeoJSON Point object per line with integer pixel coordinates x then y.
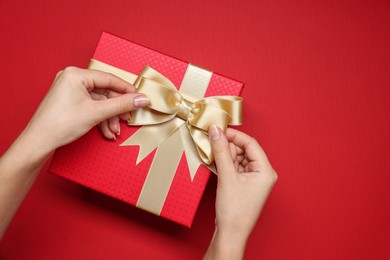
{"type": "Point", "coordinates": [185, 110]}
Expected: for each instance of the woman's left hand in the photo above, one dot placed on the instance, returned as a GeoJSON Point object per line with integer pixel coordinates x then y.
{"type": "Point", "coordinates": [78, 100]}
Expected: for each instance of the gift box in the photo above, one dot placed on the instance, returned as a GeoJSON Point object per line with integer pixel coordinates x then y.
{"type": "Point", "coordinates": [161, 167]}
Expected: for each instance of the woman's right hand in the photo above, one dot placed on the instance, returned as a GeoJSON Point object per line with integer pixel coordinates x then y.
{"type": "Point", "coordinates": [245, 179]}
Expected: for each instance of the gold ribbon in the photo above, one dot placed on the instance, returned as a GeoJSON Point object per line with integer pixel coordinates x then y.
{"type": "Point", "coordinates": [176, 121]}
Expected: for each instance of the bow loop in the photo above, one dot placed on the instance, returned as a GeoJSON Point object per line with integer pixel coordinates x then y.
{"type": "Point", "coordinates": [162, 98]}
{"type": "Point", "coordinates": [205, 114]}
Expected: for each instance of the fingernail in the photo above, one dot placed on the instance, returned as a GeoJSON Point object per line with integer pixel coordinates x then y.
{"type": "Point", "coordinates": [141, 101]}
{"type": "Point", "coordinates": [214, 133]}
{"type": "Point", "coordinates": [119, 130]}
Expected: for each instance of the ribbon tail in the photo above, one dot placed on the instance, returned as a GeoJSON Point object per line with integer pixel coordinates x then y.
{"type": "Point", "coordinates": [161, 174]}
{"type": "Point", "coordinates": [192, 153]}
{"type": "Point", "coordinates": [192, 156]}
{"type": "Point", "coordinates": [150, 137]}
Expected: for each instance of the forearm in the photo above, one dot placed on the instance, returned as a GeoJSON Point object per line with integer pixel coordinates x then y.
{"type": "Point", "coordinates": [226, 245]}
{"type": "Point", "coordinates": [19, 167]}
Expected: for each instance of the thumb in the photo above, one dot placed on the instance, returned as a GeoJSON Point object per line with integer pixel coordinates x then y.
{"type": "Point", "coordinates": [221, 150]}
{"type": "Point", "coordinates": [121, 104]}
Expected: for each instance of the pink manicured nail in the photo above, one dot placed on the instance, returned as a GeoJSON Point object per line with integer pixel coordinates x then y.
{"type": "Point", "coordinates": [141, 101]}
{"type": "Point", "coordinates": [214, 133]}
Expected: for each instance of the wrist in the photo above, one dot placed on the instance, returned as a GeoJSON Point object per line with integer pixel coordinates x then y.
{"type": "Point", "coordinates": [234, 239]}
{"type": "Point", "coordinates": [19, 167]}
{"type": "Point", "coordinates": [40, 137]}
{"type": "Point", "coordinates": [227, 244]}
{"type": "Point", "coordinates": [29, 149]}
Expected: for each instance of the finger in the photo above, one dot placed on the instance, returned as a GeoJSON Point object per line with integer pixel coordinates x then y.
{"type": "Point", "coordinates": [233, 153]}
{"type": "Point", "coordinates": [241, 169]}
{"type": "Point", "coordinates": [255, 167]}
{"type": "Point", "coordinates": [103, 127]}
{"type": "Point", "coordinates": [241, 159]}
{"type": "Point", "coordinates": [239, 150]}
{"type": "Point", "coordinates": [118, 105]}
{"type": "Point", "coordinates": [95, 79]}
{"type": "Point", "coordinates": [251, 147]}
{"type": "Point", "coordinates": [113, 125]}
{"type": "Point", "coordinates": [97, 95]}
{"type": "Point", "coordinates": [221, 151]}
{"type": "Point", "coordinates": [101, 80]}
{"type": "Point", "coordinates": [125, 116]}
{"type": "Point", "coordinates": [107, 92]}
{"type": "Point", "coordinates": [245, 162]}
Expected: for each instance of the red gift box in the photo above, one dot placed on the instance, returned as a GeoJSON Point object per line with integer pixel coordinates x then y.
{"type": "Point", "coordinates": [112, 169]}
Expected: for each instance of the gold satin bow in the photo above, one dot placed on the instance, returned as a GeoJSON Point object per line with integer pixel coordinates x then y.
{"type": "Point", "coordinates": [175, 122]}
{"type": "Point", "coordinates": [169, 109]}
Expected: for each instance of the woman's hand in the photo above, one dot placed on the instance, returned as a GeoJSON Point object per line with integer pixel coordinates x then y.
{"type": "Point", "coordinates": [78, 100]}
{"type": "Point", "coordinates": [245, 179]}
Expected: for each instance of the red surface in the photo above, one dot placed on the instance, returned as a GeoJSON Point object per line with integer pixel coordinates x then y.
{"type": "Point", "coordinates": [317, 94]}
{"type": "Point", "coordinates": [107, 167]}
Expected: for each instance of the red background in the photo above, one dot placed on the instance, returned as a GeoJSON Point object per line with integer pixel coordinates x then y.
{"type": "Point", "coordinates": [317, 96]}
